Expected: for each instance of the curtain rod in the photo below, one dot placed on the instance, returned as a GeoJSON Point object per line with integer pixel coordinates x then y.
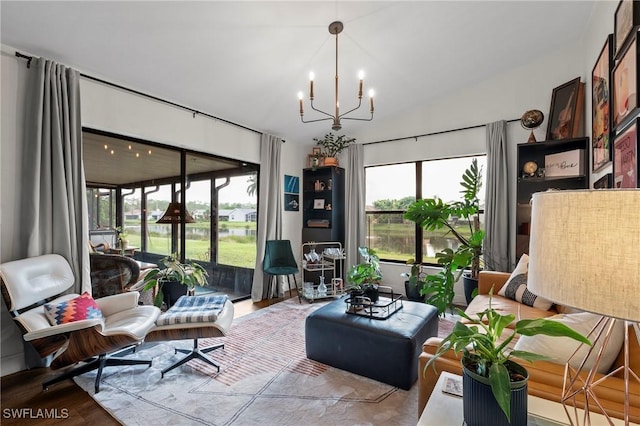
{"type": "Point", "coordinates": [434, 133]}
{"type": "Point", "coordinates": [108, 83]}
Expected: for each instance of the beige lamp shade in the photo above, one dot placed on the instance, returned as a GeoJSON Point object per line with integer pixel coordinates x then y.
{"type": "Point", "coordinates": [173, 214]}
{"type": "Point", "coordinates": [584, 250]}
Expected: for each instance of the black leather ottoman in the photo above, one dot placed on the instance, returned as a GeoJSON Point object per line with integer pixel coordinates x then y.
{"type": "Point", "coordinates": [383, 350]}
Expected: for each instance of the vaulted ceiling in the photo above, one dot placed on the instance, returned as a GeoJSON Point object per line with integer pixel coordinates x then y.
{"type": "Point", "coordinates": [245, 61]}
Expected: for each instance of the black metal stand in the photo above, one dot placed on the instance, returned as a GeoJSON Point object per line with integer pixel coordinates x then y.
{"type": "Point", "coordinates": [194, 353]}
{"type": "Point", "coordinates": [98, 363]}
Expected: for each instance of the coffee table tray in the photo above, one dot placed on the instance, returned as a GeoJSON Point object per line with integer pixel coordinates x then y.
{"type": "Point", "coordinates": [382, 309]}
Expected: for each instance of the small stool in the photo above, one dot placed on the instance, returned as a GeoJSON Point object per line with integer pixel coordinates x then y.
{"type": "Point", "coordinates": [383, 350]}
{"type": "Point", "coordinates": [194, 317]}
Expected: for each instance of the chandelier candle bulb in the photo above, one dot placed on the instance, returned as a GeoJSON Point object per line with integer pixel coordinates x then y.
{"type": "Point", "coordinates": [311, 75]}
{"type": "Point", "coordinates": [361, 77]}
{"type": "Point", "coordinates": [371, 100]}
{"type": "Point", "coordinates": [300, 99]}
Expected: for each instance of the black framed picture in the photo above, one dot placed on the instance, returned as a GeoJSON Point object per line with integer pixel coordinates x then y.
{"type": "Point", "coordinates": [601, 123]}
{"type": "Point", "coordinates": [604, 182]}
{"type": "Point", "coordinates": [564, 115]}
{"type": "Point", "coordinates": [626, 17]}
{"type": "Point", "coordinates": [625, 85]}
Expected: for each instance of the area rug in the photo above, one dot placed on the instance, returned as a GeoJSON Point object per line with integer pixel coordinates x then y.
{"type": "Point", "coordinates": [265, 379]}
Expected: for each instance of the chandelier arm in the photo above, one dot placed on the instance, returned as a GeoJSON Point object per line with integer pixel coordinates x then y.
{"type": "Point", "coordinates": [320, 111]}
{"type": "Point", "coordinates": [351, 110]}
{"type": "Point", "coordinates": [359, 119]}
{"type": "Point", "coordinates": [317, 119]}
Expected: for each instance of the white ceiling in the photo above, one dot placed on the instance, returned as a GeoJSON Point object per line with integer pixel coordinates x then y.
{"type": "Point", "coordinates": [246, 61]}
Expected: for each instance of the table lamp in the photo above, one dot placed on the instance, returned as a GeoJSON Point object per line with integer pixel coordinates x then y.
{"type": "Point", "coordinates": [584, 252]}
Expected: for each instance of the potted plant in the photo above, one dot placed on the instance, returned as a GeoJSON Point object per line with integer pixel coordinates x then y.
{"type": "Point", "coordinates": [434, 214]}
{"type": "Point", "coordinates": [365, 276]}
{"type": "Point", "coordinates": [415, 281]}
{"type": "Point", "coordinates": [332, 147]}
{"type": "Point", "coordinates": [122, 235]}
{"type": "Point", "coordinates": [493, 383]}
{"type": "Point", "coordinates": [174, 280]}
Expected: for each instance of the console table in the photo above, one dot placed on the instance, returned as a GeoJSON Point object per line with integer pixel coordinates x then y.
{"type": "Point", "coordinates": [446, 409]}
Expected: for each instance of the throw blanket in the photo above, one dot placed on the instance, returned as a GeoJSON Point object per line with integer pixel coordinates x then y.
{"type": "Point", "coordinates": [190, 309]}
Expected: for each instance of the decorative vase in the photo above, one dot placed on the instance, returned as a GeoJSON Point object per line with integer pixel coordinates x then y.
{"type": "Point", "coordinates": [371, 291]}
{"type": "Point", "coordinates": [470, 284]}
{"type": "Point", "coordinates": [480, 406]}
{"type": "Point", "coordinates": [171, 291]}
{"type": "Point", "coordinates": [413, 292]}
{"type": "Point", "coordinates": [330, 161]}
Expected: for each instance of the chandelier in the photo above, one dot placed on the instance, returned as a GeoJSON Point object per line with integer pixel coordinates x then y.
{"type": "Point", "coordinates": [335, 28]}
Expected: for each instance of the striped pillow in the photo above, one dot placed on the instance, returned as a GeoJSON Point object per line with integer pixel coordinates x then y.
{"type": "Point", "coordinates": [77, 309]}
{"type": "Point", "coordinates": [516, 287]}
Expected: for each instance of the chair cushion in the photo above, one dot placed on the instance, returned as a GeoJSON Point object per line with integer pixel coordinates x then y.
{"type": "Point", "coordinates": [79, 308]}
{"type": "Point", "coordinates": [194, 309]}
{"type": "Point", "coordinates": [516, 287]}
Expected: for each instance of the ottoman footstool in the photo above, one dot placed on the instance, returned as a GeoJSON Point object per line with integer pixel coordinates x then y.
{"type": "Point", "coordinates": [383, 350]}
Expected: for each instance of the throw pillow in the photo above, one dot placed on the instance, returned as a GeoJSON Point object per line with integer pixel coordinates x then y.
{"type": "Point", "coordinates": [516, 287]}
{"type": "Point", "coordinates": [560, 349]}
{"type": "Point", "coordinates": [77, 309]}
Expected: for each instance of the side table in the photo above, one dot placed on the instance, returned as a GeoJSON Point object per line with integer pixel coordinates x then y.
{"type": "Point", "coordinates": [446, 409]}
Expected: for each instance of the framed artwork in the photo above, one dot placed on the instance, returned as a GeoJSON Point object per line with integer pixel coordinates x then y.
{"type": "Point", "coordinates": [626, 17]}
{"type": "Point", "coordinates": [625, 157]}
{"type": "Point", "coordinates": [625, 85]}
{"type": "Point", "coordinates": [318, 203]}
{"type": "Point", "coordinates": [291, 193]}
{"type": "Point", "coordinates": [604, 182]}
{"type": "Point", "coordinates": [316, 150]}
{"type": "Point", "coordinates": [565, 112]}
{"type": "Point", "coordinates": [600, 107]}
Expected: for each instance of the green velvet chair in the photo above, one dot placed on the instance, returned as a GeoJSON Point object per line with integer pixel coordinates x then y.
{"type": "Point", "coordinates": [279, 260]}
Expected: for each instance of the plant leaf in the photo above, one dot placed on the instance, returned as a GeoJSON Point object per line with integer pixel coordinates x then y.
{"type": "Point", "coordinates": [501, 388]}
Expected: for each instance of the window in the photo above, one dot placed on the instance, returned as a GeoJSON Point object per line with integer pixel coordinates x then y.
{"type": "Point", "coordinates": [391, 188]}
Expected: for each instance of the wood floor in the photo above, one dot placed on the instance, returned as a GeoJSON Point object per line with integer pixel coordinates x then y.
{"type": "Point", "coordinates": [23, 400]}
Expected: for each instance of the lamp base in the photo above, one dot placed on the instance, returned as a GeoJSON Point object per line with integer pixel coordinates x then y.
{"type": "Point", "coordinates": [576, 385]}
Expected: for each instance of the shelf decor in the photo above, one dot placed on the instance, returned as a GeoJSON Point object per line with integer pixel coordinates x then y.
{"type": "Point", "coordinates": [565, 116]}
{"type": "Point", "coordinates": [625, 85]}
{"type": "Point", "coordinates": [625, 165]}
{"type": "Point", "coordinates": [601, 107]}
{"type": "Point", "coordinates": [605, 182]}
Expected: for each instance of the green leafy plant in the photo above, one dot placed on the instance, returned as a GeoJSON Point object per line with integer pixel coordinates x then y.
{"type": "Point", "coordinates": [189, 273]}
{"type": "Point", "coordinates": [367, 272]}
{"type": "Point", "coordinates": [486, 352]}
{"type": "Point", "coordinates": [332, 146]}
{"type": "Point", "coordinates": [434, 214]}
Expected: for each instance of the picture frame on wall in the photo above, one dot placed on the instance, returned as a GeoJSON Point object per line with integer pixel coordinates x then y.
{"type": "Point", "coordinates": [318, 203]}
{"type": "Point", "coordinates": [565, 114]}
{"type": "Point", "coordinates": [625, 157]}
{"type": "Point", "coordinates": [601, 123]}
{"type": "Point", "coordinates": [605, 182]}
{"type": "Point", "coordinates": [625, 85]}
{"type": "Point", "coordinates": [291, 193]}
{"type": "Point", "coordinates": [627, 16]}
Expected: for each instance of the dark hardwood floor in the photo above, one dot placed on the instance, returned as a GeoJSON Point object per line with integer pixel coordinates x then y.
{"type": "Point", "coordinates": [24, 402]}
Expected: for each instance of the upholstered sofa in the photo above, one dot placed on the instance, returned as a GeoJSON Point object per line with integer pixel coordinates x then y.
{"type": "Point", "coordinates": [545, 378]}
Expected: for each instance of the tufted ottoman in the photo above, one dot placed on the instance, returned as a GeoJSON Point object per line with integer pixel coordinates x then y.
{"type": "Point", "coordinates": [383, 350]}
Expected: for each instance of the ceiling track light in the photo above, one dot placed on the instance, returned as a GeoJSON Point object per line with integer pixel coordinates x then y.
{"type": "Point", "coordinates": [335, 28]}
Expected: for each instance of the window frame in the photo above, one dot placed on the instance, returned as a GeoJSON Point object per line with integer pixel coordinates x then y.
{"type": "Point", "coordinates": [419, 231]}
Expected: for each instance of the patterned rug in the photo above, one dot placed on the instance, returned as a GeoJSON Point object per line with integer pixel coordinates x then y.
{"type": "Point", "coordinates": [265, 379]}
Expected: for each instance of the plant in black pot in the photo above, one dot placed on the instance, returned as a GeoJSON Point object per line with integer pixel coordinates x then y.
{"type": "Point", "coordinates": [175, 279]}
{"type": "Point", "coordinates": [365, 276]}
{"type": "Point", "coordinates": [415, 281]}
{"type": "Point", "coordinates": [462, 220]}
{"type": "Point", "coordinates": [494, 384]}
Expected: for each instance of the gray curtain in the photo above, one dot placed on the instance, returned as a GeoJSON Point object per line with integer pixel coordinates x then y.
{"type": "Point", "coordinates": [354, 204]}
{"type": "Point", "coordinates": [270, 211]}
{"type": "Point", "coordinates": [54, 207]}
{"type": "Point", "coordinates": [497, 243]}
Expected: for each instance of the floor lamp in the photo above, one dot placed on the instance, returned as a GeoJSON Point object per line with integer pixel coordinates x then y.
{"type": "Point", "coordinates": [584, 252]}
